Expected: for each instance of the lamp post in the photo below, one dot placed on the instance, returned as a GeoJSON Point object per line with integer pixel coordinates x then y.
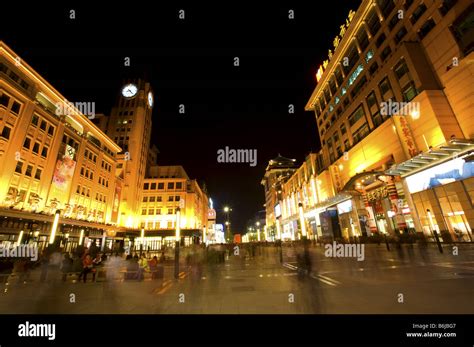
{"type": "Point", "coordinates": [257, 224]}
{"type": "Point", "coordinates": [176, 247]}
{"type": "Point", "coordinates": [302, 222]}
{"type": "Point", "coordinates": [54, 228]}
{"type": "Point", "coordinates": [227, 211]}
{"type": "Point", "coordinates": [430, 218]}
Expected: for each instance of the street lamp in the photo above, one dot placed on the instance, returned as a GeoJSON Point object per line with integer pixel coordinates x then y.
{"type": "Point", "coordinates": [54, 227]}
{"type": "Point", "coordinates": [176, 248]}
{"type": "Point", "coordinates": [430, 218]}
{"type": "Point", "coordinates": [227, 211]}
{"type": "Point", "coordinates": [257, 224]}
{"type": "Point", "coordinates": [81, 237]}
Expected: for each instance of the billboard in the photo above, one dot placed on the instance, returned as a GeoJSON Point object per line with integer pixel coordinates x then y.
{"type": "Point", "coordinates": [116, 205]}
{"type": "Point", "coordinates": [63, 174]}
{"type": "Point", "coordinates": [453, 170]}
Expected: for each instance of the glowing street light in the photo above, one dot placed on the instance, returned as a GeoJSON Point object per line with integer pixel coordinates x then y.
{"type": "Point", "coordinates": [176, 248]}
{"type": "Point", "coordinates": [54, 227]}
{"type": "Point", "coordinates": [81, 237]}
{"type": "Point", "coordinates": [20, 237]}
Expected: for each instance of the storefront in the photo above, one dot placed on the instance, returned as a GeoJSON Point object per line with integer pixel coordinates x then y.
{"type": "Point", "coordinates": [446, 192]}
{"type": "Point", "coordinates": [440, 185]}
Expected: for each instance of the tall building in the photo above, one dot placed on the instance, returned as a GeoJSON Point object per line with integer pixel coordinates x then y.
{"type": "Point", "coordinates": [165, 190]}
{"type": "Point", "coordinates": [52, 158]}
{"type": "Point", "coordinates": [129, 125]}
{"type": "Point", "coordinates": [393, 106]}
{"type": "Point", "coordinates": [277, 172]}
{"type": "Point", "coordinates": [59, 158]}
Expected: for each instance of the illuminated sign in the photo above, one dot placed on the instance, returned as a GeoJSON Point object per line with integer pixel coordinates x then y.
{"type": "Point", "coordinates": [211, 214]}
{"type": "Point", "coordinates": [277, 210]}
{"type": "Point", "coordinates": [453, 170]}
{"type": "Point", "coordinates": [344, 207]}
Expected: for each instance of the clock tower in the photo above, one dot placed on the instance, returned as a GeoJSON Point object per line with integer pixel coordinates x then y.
{"type": "Point", "coordinates": [129, 125]}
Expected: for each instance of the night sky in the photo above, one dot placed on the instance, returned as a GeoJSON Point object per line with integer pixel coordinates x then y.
{"type": "Point", "coordinates": [190, 62]}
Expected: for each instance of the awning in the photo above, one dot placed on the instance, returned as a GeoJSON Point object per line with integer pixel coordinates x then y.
{"type": "Point", "coordinates": [435, 156]}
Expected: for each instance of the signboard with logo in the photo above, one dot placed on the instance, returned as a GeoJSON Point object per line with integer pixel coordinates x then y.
{"type": "Point", "coordinates": [453, 170]}
{"type": "Point", "coordinates": [211, 214]}
{"type": "Point", "coordinates": [63, 174]}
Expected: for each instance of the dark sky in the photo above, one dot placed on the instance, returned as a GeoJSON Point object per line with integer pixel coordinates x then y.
{"type": "Point", "coordinates": [190, 62]}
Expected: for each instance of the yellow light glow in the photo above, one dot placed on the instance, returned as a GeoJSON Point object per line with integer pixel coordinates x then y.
{"type": "Point", "coordinates": [341, 167]}
{"type": "Point", "coordinates": [178, 227]}
{"type": "Point", "coordinates": [415, 114]}
{"type": "Point", "coordinates": [20, 237]}
{"type": "Point", "coordinates": [54, 228]}
{"type": "Point", "coordinates": [81, 237]}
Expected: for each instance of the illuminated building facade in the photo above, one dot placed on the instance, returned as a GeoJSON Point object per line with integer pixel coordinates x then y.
{"type": "Point", "coordinates": [92, 168]}
{"type": "Point", "coordinates": [52, 158]}
{"type": "Point", "coordinates": [165, 189]}
{"type": "Point", "coordinates": [393, 107]}
{"type": "Point", "coordinates": [277, 172]}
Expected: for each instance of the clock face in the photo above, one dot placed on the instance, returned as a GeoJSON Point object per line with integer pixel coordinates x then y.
{"type": "Point", "coordinates": [130, 90]}
{"type": "Point", "coordinates": [150, 99]}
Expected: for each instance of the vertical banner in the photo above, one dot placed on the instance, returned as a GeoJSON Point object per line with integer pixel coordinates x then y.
{"type": "Point", "coordinates": [116, 204]}
{"type": "Point", "coordinates": [62, 177]}
{"type": "Point", "coordinates": [406, 138]}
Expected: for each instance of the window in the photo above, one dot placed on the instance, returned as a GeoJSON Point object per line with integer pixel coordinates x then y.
{"type": "Point", "coordinates": [338, 75]}
{"type": "Point", "coordinates": [36, 147]}
{"type": "Point", "coordinates": [15, 107]}
{"type": "Point", "coordinates": [179, 185]}
{"type": "Point", "coordinates": [358, 87]}
{"type": "Point", "coordinates": [161, 186]}
{"type": "Point", "coordinates": [347, 145]}
{"type": "Point", "coordinates": [353, 56]}
{"type": "Point", "coordinates": [400, 35]}
{"type": "Point", "coordinates": [29, 170]}
{"type": "Point", "coordinates": [446, 6]}
{"type": "Point", "coordinates": [38, 174]}
{"type": "Point", "coordinates": [407, 4]}
{"type": "Point", "coordinates": [362, 39]}
{"type": "Point", "coordinates": [373, 68]}
{"type": "Point", "coordinates": [380, 40]}
{"type": "Point", "coordinates": [360, 133]}
{"type": "Point", "coordinates": [371, 100]}
{"type": "Point", "coordinates": [158, 211]}
{"type": "Point", "coordinates": [6, 132]}
{"type": "Point", "coordinates": [463, 30]}
{"type": "Point", "coordinates": [19, 167]}
{"type": "Point", "coordinates": [373, 22]}
{"type": "Point", "coordinates": [170, 198]}
{"type": "Point", "coordinates": [145, 199]}
{"type": "Point", "coordinates": [153, 186]}
{"type": "Point", "coordinates": [385, 53]}
{"type": "Point", "coordinates": [143, 211]}
{"type": "Point", "coordinates": [159, 198]}
{"type": "Point", "coordinates": [358, 114]}
{"type": "Point", "coordinates": [343, 129]}
{"type": "Point", "coordinates": [409, 91]}
{"type": "Point", "coordinates": [426, 28]}
{"type": "Point", "coordinates": [177, 198]}
{"type": "Point", "coordinates": [152, 199]}
{"type": "Point", "coordinates": [384, 86]}
{"type": "Point", "coordinates": [146, 186]}
{"type": "Point", "coordinates": [170, 185]}
{"type": "Point", "coordinates": [386, 6]}
{"type": "Point", "coordinates": [43, 125]}
{"type": "Point", "coordinates": [393, 21]}
{"type": "Point", "coordinates": [27, 143]}
{"type": "Point", "coordinates": [35, 120]}
{"type": "Point", "coordinates": [170, 211]}
{"type": "Point", "coordinates": [4, 100]}
{"type": "Point", "coordinates": [401, 69]}
{"type": "Point", "coordinates": [151, 211]}
{"type": "Point", "coordinates": [417, 13]}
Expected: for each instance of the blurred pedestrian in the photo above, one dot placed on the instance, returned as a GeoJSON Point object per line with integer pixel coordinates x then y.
{"type": "Point", "coordinates": [66, 266]}
{"type": "Point", "coordinates": [86, 267]}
